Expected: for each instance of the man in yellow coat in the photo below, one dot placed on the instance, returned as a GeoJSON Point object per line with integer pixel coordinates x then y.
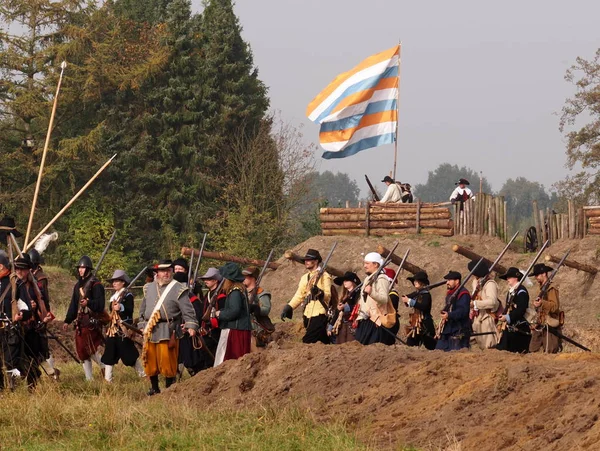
{"type": "Point", "coordinates": [484, 306]}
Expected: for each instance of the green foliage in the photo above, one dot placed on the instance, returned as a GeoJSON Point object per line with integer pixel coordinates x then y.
{"type": "Point", "coordinates": [90, 227]}
{"type": "Point", "coordinates": [583, 142]}
{"type": "Point", "coordinates": [519, 195]}
{"type": "Point", "coordinates": [335, 189]}
{"type": "Point", "coordinates": [441, 182]}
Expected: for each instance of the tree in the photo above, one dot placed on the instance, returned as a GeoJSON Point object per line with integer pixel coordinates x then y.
{"type": "Point", "coordinates": [519, 195]}
{"type": "Point", "coordinates": [441, 182]}
{"type": "Point", "coordinates": [583, 144]}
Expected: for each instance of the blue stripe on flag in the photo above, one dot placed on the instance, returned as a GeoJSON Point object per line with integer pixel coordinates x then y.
{"type": "Point", "coordinates": [363, 144]}
{"type": "Point", "coordinates": [353, 121]}
{"type": "Point", "coordinates": [367, 83]}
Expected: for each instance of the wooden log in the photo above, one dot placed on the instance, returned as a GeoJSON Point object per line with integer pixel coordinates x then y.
{"type": "Point", "coordinates": [438, 212]}
{"type": "Point", "coordinates": [592, 213]}
{"type": "Point", "coordinates": [573, 264]}
{"type": "Point", "coordinates": [581, 223]}
{"type": "Point", "coordinates": [186, 251]}
{"type": "Point", "coordinates": [554, 227]}
{"type": "Point", "coordinates": [505, 220]}
{"type": "Point", "coordinates": [544, 234]}
{"type": "Point", "coordinates": [418, 220]}
{"type": "Point", "coordinates": [396, 259]}
{"type": "Point", "coordinates": [382, 217]}
{"type": "Point", "coordinates": [594, 220]}
{"type": "Point", "coordinates": [591, 207]}
{"type": "Point", "coordinates": [413, 206]}
{"type": "Point", "coordinates": [536, 219]}
{"type": "Point", "coordinates": [387, 232]}
{"type": "Point", "coordinates": [406, 211]}
{"type": "Point", "coordinates": [473, 256]}
{"type": "Point", "coordinates": [298, 259]}
{"type": "Point", "coordinates": [367, 219]}
{"type": "Point", "coordinates": [456, 219]}
{"type": "Point", "coordinates": [593, 232]}
{"type": "Point", "coordinates": [434, 223]}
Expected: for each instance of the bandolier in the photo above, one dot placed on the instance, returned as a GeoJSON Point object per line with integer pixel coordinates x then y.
{"type": "Point", "coordinates": [421, 329]}
{"type": "Point", "coordinates": [548, 315]}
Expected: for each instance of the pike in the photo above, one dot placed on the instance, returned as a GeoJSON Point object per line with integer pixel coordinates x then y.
{"type": "Point", "coordinates": [198, 261]}
{"type": "Point", "coordinates": [376, 197]}
{"type": "Point", "coordinates": [481, 282]}
{"type": "Point", "coordinates": [453, 297]}
{"type": "Point", "coordinates": [62, 345]}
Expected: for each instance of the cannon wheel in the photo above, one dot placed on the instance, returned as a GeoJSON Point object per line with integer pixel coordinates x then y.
{"type": "Point", "coordinates": [531, 240]}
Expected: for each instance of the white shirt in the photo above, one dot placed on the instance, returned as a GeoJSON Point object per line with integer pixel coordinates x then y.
{"type": "Point", "coordinates": [392, 194]}
{"type": "Point", "coordinates": [458, 192]}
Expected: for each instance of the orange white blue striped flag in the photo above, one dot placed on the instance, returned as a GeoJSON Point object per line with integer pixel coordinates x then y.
{"type": "Point", "coordinates": [358, 110]}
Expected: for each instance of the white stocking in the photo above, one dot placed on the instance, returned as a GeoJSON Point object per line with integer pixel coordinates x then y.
{"type": "Point", "coordinates": [108, 372]}
{"type": "Point", "coordinates": [140, 368]}
{"type": "Point", "coordinates": [87, 369]}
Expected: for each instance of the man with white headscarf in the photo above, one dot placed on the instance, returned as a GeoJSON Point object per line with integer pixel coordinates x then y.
{"type": "Point", "coordinates": [373, 302]}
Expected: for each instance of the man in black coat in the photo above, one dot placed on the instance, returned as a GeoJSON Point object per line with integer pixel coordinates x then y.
{"type": "Point", "coordinates": [515, 328]}
{"type": "Point", "coordinates": [456, 331]}
{"type": "Point", "coordinates": [87, 310]}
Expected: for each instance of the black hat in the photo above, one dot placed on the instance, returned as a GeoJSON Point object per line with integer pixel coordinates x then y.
{"type": "Point", "coordinates": [23, 262]}
{"type": "Point", "coordinates": [7, 225]}
{"type": "Point", "coordinates": [387, 178]}
{"type": "Point", "coordinates": [349, 276]}
{"type": "Point", "coordinates": [181, 262]}
{"type": "Point", "coordinates": [231, 271]}
{"type": "Point", "coordinates": [512, 272]}
{"type": "Point", "coordinates": [540, 268]}
{"type": "Point", "coordinates": [462, 182]}
{"type": "Point", "coordinates": [85, 262]}
{"type": "Point", "coordinates": [163, 264]}
{"type": "Point", "coordinates": [481, 271]}
{"type": "Point", "coordinates": [312, 254]}
{"type": "Point", "coordinates": [453, 275]}
{"type": "Point", "coordinates": [421, 276]}
{"type": "Point", "coordinates": [36, 258]}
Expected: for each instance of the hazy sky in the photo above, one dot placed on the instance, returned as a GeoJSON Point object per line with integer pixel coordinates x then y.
{"type": "Point", "coordinates": [481, 82]}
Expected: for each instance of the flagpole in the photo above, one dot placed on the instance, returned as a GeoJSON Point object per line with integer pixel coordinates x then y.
{"type": "Point", "coordinates": [398, 109]}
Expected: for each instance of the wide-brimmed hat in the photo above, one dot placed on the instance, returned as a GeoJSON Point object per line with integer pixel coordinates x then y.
{"type": "Point", "coordinates": [4, 261]}
{"type": "Point", "coordinates": [482, 269]}
{"type": "Point", "coordinates": [453, 275]}
{"type": "Point", "coordinates": [251, 271]}
{"type": "Point", "coordinates": [211, 273]}
{"type": "Point", "coordinates": [512, 272]}
{"type": "Point", "coordinates": [231, 271]}
{"type": "Point", "coordinates": [23, 262]}
{"type": "Point", "coordinates": [163, 264]}
{"type": "Point", "coordinates": [119, 274]}
{"type": "Point", "coordinates": [387, 178]}
{"type": "Point", "coordinates": [349, 276]}
{"type": "Point", "coordinates": [540, 268]}
{"type": "Point", "coordinates": [312, 254]}
{"type": "Point", "coordinates": [421, 276]}
{"type": "Point", "coordinates": [7, 225]}
{"type": "Point", "coordinates": [181, 262]}
{"type": "Point", "coordinates": [462, 182]}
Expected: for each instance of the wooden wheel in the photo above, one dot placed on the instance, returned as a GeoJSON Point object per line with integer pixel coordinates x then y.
{"type": "Point", "coordinates": [531, 240]}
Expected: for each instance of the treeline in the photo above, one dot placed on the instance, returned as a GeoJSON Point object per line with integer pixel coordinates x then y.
{"type": "Point", "coordinates": [177, 96]}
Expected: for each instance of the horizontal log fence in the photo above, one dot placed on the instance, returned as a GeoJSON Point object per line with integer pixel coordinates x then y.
{"type": "Point", "coordinates": [377, 219]}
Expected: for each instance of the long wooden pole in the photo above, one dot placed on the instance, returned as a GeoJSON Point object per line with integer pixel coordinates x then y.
{"type": "Point", "coordinates": [66, 207]}
{"type": "Point", "coordinates": [187, 251]}
{"type": "Point", "coordinates": [43, 162]}
{"type": "Point", "coordinates": [398, 110]}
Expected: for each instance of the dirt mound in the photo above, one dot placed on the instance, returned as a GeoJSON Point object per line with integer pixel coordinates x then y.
{"type": "Point", "coordinates": [580, 293]}
{"type": "Point", "coordinates": [394, 396]}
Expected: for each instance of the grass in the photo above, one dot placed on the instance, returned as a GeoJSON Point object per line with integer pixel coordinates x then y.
{"type": "Point", "coordinates": [75, 414]}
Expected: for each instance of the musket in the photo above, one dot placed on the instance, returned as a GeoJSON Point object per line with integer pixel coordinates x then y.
{"type": "Point", "coordinates": [453, 297]}
{"type": "Point", "coordinates": [61, 344]}
{"type": "Point", "coordinates": [198, 261]}
{"type": "Point", "coordinates": [428, 287]}
{"type": "Point", "coordinates": [189, 277]}
{"type": "Point", "coordinates": [213, 300]}
{"type": "Point", "coordinates": [134, 280]}
{"type": "Point", "coordinates": [399, 270]}
{"type": "Point", "coordinates": [531, 265]}
{"type": "Point", "coordinates": [376, 274]}
{"type": "Point", "coordinates": [558, 334]}
{"type": "Point", "coordinates": [131, 328]}
{"type": "Point", "coordinates": [310, 297]}
{"type": "Point", "coordinates": [481, 282]}
{"type": "Point", "coordinates": [376, 197]}
{"type": "Point", "coordinates": [13, 283]}
{"type": "Point", "coordinates": [260, 276]}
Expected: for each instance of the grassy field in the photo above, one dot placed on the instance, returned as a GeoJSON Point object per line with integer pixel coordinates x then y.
{"type": "Point", "coordinates": [74, 414]}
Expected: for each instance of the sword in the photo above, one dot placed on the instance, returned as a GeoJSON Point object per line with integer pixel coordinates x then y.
{"type": "Point", "coordinates": [556, 333]}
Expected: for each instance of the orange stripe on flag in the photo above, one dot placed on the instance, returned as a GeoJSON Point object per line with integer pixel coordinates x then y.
{"type": "Point", "coordinates": [362, 96]}
{"type": "Point", "coordinates": [366, 121]}
{"type": "Point", "coordinates": [370, 61]}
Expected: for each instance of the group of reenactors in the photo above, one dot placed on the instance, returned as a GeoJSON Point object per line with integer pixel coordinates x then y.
{"type": "Point", "coordinates": [472, 315]}
{"type": "Point", "coordinates": [197, 324]}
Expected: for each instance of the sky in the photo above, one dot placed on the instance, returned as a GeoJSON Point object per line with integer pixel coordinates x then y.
{"type": "Point", "coordinates": [482, 83]}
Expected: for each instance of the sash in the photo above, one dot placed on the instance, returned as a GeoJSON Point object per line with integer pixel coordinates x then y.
{"type": "Point", "coordinates": [158, 305]}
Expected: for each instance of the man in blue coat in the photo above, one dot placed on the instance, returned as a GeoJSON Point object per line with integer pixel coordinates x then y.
{"type": "Point", "coordinates": [455, 322]}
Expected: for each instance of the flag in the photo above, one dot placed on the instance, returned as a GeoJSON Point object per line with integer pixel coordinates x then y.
{"type": "Point", "coordinates": [358, 110]}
